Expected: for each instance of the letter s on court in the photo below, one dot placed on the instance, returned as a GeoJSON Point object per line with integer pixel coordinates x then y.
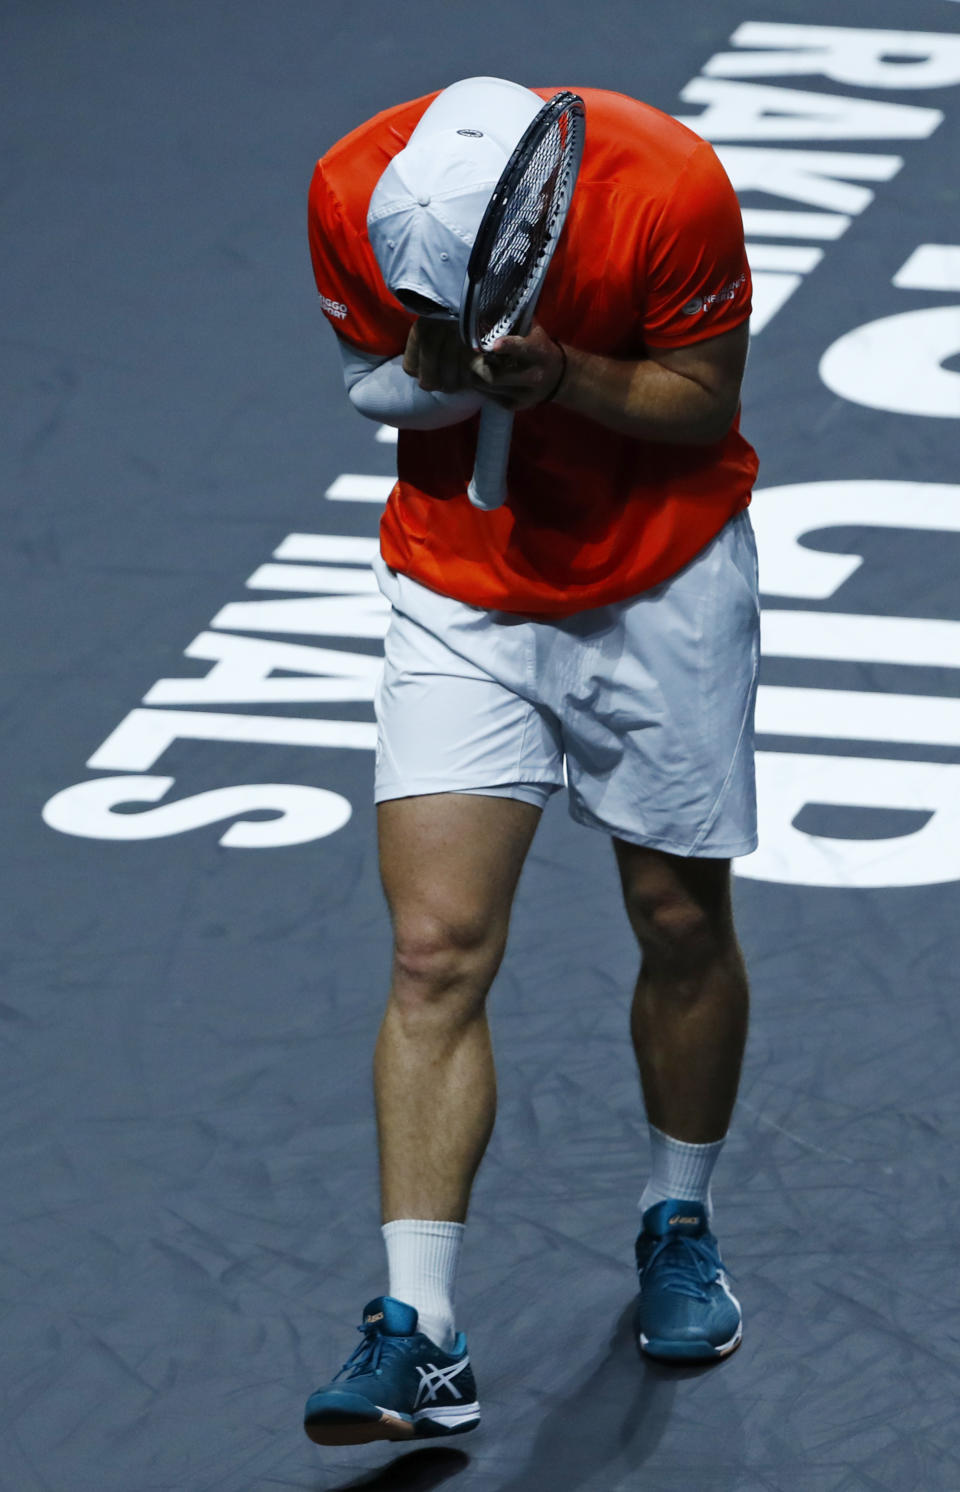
{"type": "Point", "coordinates": [87, 809]}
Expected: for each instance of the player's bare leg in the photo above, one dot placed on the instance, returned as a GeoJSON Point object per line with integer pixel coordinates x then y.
{"type": "Point", "coordinates": [450, 864]}
{"type": "Point", "coordinates": [689, 1016]}
{"type": "Point", "coordinates": [689, 1024]}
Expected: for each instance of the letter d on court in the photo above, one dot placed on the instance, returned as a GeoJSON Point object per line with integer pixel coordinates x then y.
{"type": "Point", "coordinates": [787, 783]}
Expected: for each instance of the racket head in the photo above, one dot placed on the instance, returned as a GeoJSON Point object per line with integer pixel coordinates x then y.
{"type": "Point", "coordinates": [521, 226]}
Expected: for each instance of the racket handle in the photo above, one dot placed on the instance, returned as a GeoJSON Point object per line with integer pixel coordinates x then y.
{"type": "Point", "coordinates": [488, 485]}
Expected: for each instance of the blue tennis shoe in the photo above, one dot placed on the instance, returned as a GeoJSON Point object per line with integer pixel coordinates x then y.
{"type": "Point", "coordinates": [397, 1385]}
{"type": "Point", "coordinates": [686, 1311]}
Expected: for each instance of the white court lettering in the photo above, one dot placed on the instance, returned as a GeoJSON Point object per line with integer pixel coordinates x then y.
{"type": "Point", "coordinates": [757, 111]}
{"type": "Point", "coordinates": [783, 516]}
{"type": "Point", "coordinates": [327, 616]}
{"type": "Point", "coordinates": [897, 362]}
{"type": "Point", "coordinates": [243, 669]}
{"type": "Point", "coordinates": [846, 54]}
{"type": "Point", "coordinates": [787, 783]}
{"type": "Point", "coordinates": [88, 810]}
{"type": "Point", "coordinates": [143, 736]}
{"type": "Point", "coordinates": [815, 178]}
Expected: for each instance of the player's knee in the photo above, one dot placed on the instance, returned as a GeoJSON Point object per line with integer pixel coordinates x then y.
{"type": "Point", "coordinates": [444, 958]}
{"type": "Point", "coordinates": [676, 932]}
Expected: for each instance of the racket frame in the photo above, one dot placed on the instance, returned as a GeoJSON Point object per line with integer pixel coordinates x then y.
{"type": "Point", "coordinates": [487, 489]}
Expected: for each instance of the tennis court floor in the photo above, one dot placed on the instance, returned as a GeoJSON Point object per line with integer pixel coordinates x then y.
{"type": "Point", "coordinates": [194, 936]}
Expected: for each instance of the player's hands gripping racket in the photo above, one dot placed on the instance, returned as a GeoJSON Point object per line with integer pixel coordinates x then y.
{"type": "Point", "coordinates": [509, 261]}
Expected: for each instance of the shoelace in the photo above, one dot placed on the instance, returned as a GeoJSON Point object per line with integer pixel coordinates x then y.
{"type": "Point", "coordinates": [685, 1265]}
{"type": "Point", "coordinates": [367, 1355]}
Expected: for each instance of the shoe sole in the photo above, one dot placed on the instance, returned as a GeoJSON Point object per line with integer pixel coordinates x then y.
{"type": "Point", "coordinates": [334, 1431]}
{"type": "Point", "coordinates": [666, 1351]}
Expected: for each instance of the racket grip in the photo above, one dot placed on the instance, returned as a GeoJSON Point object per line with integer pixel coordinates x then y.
{"type": "Point", "coordinates": [488, 485]}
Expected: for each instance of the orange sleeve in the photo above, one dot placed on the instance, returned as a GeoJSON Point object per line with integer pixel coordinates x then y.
{"type": "Point", "coordinates": [353, 296]}
{"type": "Point", "coordinates": [698, 278]}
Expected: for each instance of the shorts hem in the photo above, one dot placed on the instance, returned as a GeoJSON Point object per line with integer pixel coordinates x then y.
{"type": "Point", "coordinates": [538, 785]}
{"type": "Point", "coordinates": [690, 850]}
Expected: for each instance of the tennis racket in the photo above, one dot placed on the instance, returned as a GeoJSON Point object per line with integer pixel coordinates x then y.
{"type": "Point", "coordinates": [509, 261]}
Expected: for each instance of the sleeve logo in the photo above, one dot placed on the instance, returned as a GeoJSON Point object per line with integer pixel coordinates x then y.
{"type": "Point", "coordinates": [334, 308]}
{"type": "Point", "coordinates": [704, 302]}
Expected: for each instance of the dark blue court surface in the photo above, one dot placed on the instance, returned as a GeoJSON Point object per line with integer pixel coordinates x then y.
{"type": "Point", "coordinates": [195, 943]}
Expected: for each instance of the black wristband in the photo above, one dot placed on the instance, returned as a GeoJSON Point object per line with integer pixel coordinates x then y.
{"type": "Point", "coordinates": [563, 373]}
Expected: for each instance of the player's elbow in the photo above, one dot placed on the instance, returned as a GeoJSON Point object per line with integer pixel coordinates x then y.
{"type": "Point", "coordinates": [368, 401]}
{"type": "Point", "coordinates": [715, 420]}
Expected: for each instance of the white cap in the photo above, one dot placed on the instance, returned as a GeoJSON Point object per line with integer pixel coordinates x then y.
{"type": "Point", "coordinates": [427, 206]}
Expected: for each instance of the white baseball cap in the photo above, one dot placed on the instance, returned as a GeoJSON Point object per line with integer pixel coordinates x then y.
{"type": "Point", "coordinates": [427, 206]}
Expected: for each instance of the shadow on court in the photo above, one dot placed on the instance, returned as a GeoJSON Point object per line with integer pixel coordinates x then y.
{"type": "Point", "coordinates": [416, 1471]}
{"type": "Point", "coordinates": [603, 1433]}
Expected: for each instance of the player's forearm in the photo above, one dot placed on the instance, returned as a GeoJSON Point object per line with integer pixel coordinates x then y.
{"type": "Point", "coordinates": [382, 391]}
{"type": "Point", "coordinates": [646, 400]}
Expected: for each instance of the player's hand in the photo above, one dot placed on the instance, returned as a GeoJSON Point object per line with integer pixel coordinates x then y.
{"type": "Point", "coordinates": [436, 357]}
{"type": "Point", "coordinates": [519, 372]}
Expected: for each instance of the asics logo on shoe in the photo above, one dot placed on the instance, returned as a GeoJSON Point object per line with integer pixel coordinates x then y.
{"type": "Point", "coordinates": [678, 1219]}
{"type": "Point", "coordinates": [433, 1378]}
{"type": "Point", "coordinates": [377, 1317]}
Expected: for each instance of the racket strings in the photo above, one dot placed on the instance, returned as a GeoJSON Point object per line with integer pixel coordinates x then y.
{"type": "Point", "coordinates": [526, 231]}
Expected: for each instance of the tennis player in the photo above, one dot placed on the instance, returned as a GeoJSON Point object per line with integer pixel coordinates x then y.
{"type": "Point", "coordinates": [597, 634]}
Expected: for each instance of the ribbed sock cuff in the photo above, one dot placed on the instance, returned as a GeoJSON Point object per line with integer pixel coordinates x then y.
{"type": "Point", "coordinates": [423, 1257]}
{"type": "Point", "coordinates": [681, 1170]}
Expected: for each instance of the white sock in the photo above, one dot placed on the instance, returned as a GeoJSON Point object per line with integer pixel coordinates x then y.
{"type": "Point", "coordinates": [423, 1257]}
{"type": "Point", "coordinates": [679, 1170]}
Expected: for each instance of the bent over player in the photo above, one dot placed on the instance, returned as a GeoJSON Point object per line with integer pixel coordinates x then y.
{"type": "Point", "coordinates": [598, 632]}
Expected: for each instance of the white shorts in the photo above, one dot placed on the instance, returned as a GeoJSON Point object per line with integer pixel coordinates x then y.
{"type": "Point", "coordinates": [643, 710]}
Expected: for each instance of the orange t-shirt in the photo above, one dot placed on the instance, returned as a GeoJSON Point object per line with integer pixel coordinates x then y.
{"type": "Point", "coordinates": [651, 256]}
